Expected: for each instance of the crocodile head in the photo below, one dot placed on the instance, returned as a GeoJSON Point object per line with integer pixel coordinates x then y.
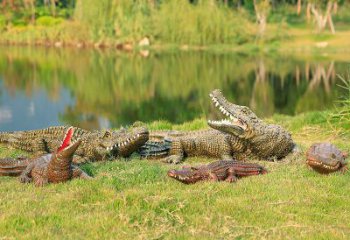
{"type": "Point", "coordinates": [267, 141]}
{"type": "Point", "coordinates": [132, 139]}
{"type": "Point", "coordinates": [239, 120]}
{"type": "Point", "coordinates": [121, 143]}
{"type": "Point", "coordinates": [187, 175]}
{"type": "Point", "coordinates": [325, 158]}
{"type": "Point", "coordinates": [67, 148]}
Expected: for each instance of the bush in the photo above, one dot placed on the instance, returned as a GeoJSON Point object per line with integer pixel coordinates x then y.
{"type": "Point", "coordinates": [48, 21]}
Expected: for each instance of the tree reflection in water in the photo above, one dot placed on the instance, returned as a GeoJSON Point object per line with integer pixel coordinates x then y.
{"type": "Point", "coordinates": [114, 88]}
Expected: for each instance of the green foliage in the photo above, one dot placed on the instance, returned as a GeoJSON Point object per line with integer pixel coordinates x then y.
{"type": "Point", "coordinates": [48, 21]}
{"type": "Point", "coordinates": [342, 112]}
{"type": "Point", "coordinates": [204, 23]}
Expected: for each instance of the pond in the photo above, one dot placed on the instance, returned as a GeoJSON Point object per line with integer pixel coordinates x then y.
{"type": "Point", "coordinates": [93, 89]}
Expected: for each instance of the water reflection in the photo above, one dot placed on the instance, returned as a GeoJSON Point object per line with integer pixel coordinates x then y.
{"type": "Point", "coordinates": [90, 89]}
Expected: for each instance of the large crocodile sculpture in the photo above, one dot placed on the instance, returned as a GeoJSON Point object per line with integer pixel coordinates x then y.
{"type": "Point", "coordinates": [50, 168]}
{"type": "Point", "coordinates": [236, 137]}
{"type": "Point", "coordinates": [95, 145]}
{"type": "Point", "coordinates": [228, 171]}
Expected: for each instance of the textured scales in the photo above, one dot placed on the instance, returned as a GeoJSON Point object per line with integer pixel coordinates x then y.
{"type": "Point", "coordinates": [228, 171]}
{"type": "Point", "coordinates": [50, 168]}
{"type": "Point", "coordinates": [236, 137]}
{"type": "Point", "coordinates": [95, 145]}
{"type": "Point", "coordinates": [326, 158]}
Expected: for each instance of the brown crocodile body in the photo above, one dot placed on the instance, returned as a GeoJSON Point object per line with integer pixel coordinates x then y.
{"type": "Point", "coordinates": [222, 170]}
{"type": "Point", "coordinates": [50, 168]}
{"type": "Point", "coordinates": [242, 134]}
{"type": "Point", "coordinates": [326, 158]}
{"type": "Point", "coordinates": [95, 145]}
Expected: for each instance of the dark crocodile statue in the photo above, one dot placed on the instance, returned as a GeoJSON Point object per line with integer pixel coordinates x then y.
{"type": "Point", "coordinates": [228, 171]}
{"type": "Point", "coordinates": [326, 158]}
{"type": "Point", "coordinates": [95, 145]}
{"type": "Point", "coordinates": [240, 135]}
{"type": "Point", "coordinates": [50, 168]}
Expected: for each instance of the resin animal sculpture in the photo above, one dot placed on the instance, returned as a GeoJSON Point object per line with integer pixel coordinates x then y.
{"type": "Point", "coordinates": [239, 135]}
{"type": "Point", "coordinates": [95, 145]}
{"type": "Point", "coordinates": [326, 158]}
{"type": "Point", "coordinates": [228, 171]}
{"type": "Point", "coordinates": [50, 168]}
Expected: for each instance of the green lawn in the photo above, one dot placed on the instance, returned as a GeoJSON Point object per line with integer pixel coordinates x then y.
{"type": "Point", "coordinates": [134, 199]}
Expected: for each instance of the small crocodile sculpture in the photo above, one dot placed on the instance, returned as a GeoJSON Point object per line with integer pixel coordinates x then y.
{"type": "Point", "coordinates": [221, 170]}
{"type": "Point", "coordinates": [236, 137]}
{"type": "Point", "coordinates": [50, 168]}
{"type": "Point", "coordinates": [95, 145]}
{"type": "Point", "coordinates": [326, 158]}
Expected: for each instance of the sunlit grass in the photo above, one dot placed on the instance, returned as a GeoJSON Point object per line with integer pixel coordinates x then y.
{"type": "Point", "coordinates": [135, 199]}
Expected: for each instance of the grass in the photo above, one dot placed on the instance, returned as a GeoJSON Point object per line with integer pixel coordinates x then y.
{"type": "Point", "coordinates": [134, 199]}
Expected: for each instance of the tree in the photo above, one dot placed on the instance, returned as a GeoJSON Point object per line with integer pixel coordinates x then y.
{"type": "Point", "coordinates": [261, 8]}
{"type": "Point", "coordinates": [322, 18]}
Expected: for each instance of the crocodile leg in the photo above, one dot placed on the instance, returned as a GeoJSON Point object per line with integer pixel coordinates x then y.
{"type": "Point", "coordinates": [176, 153]}
{"type": "Point", "coordinates": [213, 177]}
{"type": "Point", "coordinates": [26, 176]}
{"type": "Point", "coordinates": [231, 175]}
{"type": "Point", "coordinates": [78, 173]}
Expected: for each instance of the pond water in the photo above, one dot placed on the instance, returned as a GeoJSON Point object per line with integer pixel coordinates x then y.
{"type": "Point", "coordinates": [94, 89]}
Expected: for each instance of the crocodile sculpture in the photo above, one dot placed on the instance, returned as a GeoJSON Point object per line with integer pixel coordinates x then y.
{"type": "Point", "coordinates": [95, 145]}
{"type": "Point", "coordinates": [50, 168]}
{"type": "Point", "coordinates": [222, 170]}
{"type": "Point", "coordinates": [236, 137]}
{"type": "Point", "coordinates": [326, 158]}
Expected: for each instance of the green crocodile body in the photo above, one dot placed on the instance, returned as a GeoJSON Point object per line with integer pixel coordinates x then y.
{"type": "Point", "coordinates": [50, 168]}
{"type": "Point", "coordinates": [95, 145]}
{"type": "Point", "coordinates": [242, 134]}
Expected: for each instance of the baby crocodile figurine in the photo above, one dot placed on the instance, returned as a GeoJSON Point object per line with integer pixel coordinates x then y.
{"type": "Point", "coordinates": [326, 158]}
{"type": "Point", "coordinates": [221, 170]}
{"type": "Point", "coordinates": [50, 168]}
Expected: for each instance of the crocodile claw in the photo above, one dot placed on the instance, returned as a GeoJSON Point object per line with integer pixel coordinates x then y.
{"type": "Point", "coordinates": [174, 159]}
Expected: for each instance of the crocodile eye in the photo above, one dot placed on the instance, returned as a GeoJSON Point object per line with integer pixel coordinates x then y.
{"type": "Point", "coordinates": [107, 134]}
{"type": "Point", "coordinates": [333, 156]}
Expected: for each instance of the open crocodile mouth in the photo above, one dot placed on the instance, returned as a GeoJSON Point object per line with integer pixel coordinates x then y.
{"type": "Point", "coordinates": [231, 122]}
{"type": "Point", "coordinates": [122, 146]}
{"type": "Point", "coordinates": [319, 164]}
{"type": "Point", "coordinates": [67, 143]}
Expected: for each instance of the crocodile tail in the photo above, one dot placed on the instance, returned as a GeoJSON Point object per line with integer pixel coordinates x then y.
{"type": "Point", "coordinates": [13, 166]}
{"type": "Point", "coordinates": [152, 149]}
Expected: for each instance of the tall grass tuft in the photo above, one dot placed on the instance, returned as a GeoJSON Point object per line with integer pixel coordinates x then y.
{"type": "Point", "coordinates": [179, 21]}
{"type": "Point", "coordinates": [342, 111]}
{"type": "Point", "coordinates": [173, 21]}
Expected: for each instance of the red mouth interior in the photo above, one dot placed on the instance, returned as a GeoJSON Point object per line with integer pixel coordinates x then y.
{"type": "Point", "coordinates": [66, 140]}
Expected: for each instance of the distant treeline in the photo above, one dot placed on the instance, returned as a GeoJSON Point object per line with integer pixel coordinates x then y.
{"type": "Point", "coordinates": [194, 22]}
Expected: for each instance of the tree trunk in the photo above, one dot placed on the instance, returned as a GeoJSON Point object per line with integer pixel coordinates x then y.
{"type": "Point", "coordinates": [299, 7]}
{"type": "Point", "coordinates": [261, 16]}
{"type": "Point", "coordinates": [321, 20]}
